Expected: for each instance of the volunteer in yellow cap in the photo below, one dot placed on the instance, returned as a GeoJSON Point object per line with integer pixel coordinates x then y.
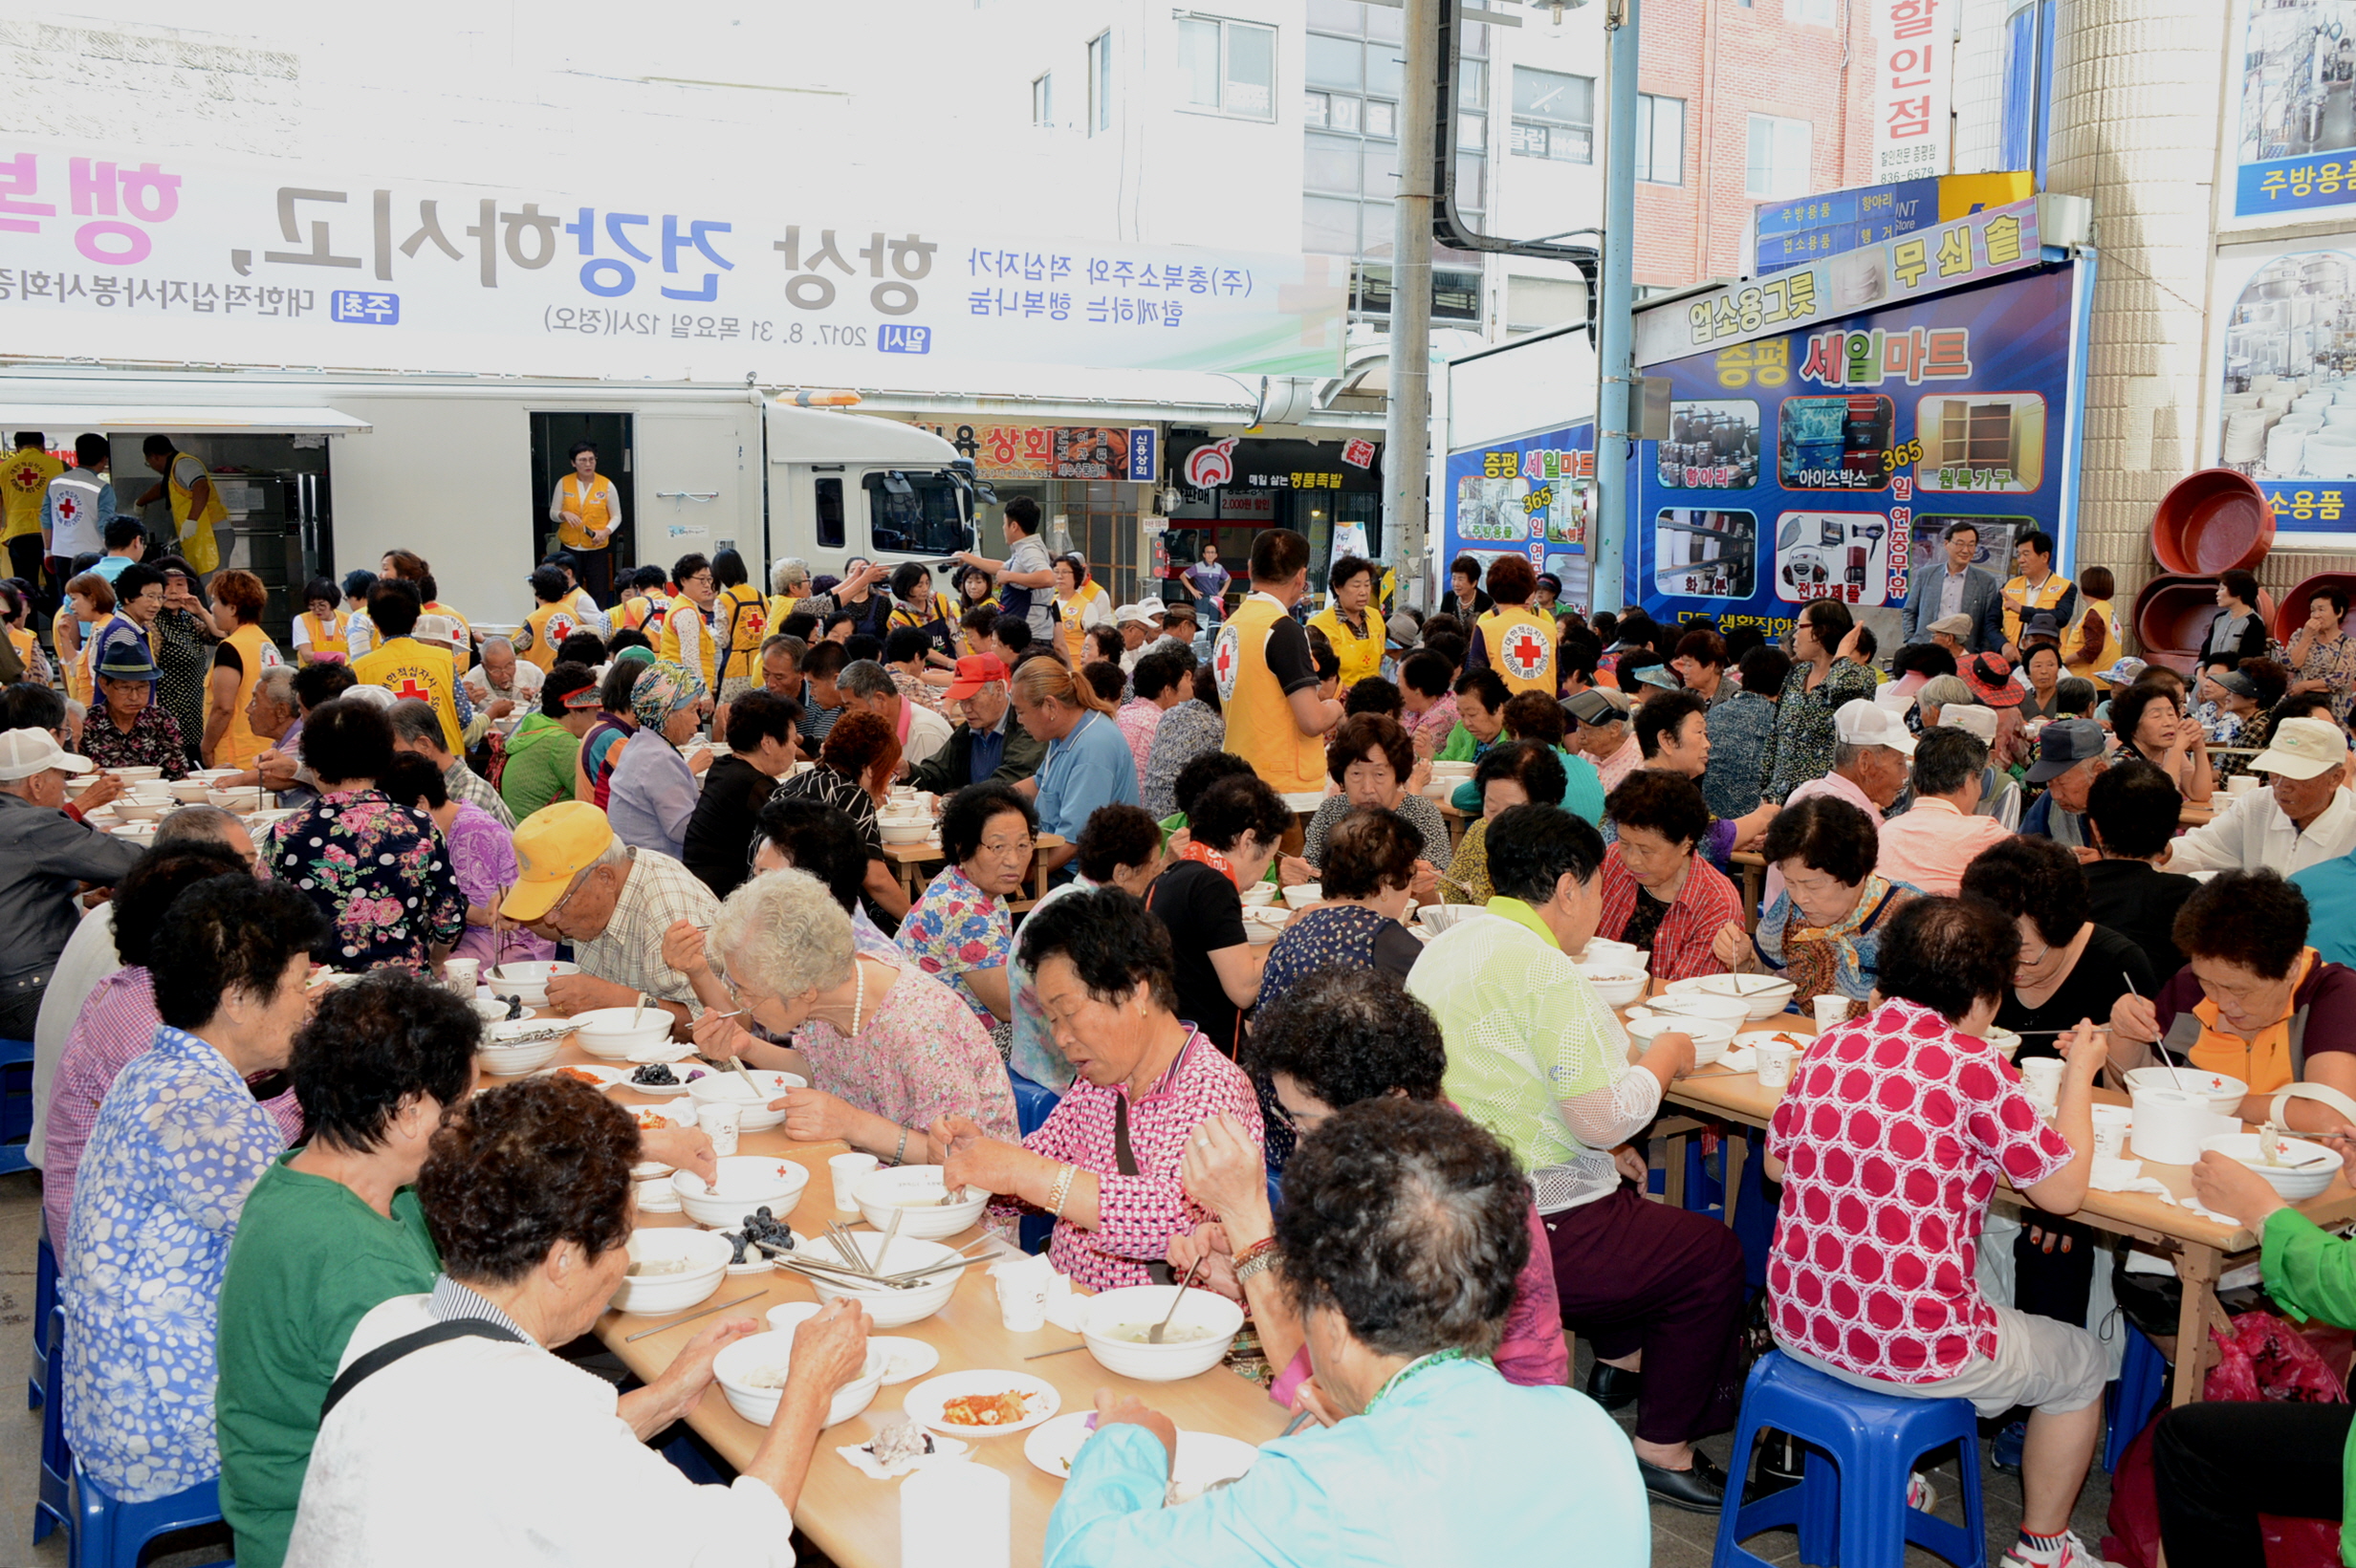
{"type": "Point", "coordinates": [576, 882]}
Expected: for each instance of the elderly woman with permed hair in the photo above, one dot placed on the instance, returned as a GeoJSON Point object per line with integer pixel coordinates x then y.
{"type": "Point", "coordinates": [1403, 1231]}
{"type": "Point", "coordinates": [451, 1420]}
{"type": "Point", "coordinates": [1107, 1163]}
{"type": "Point", "coordinates": [888, 1049]}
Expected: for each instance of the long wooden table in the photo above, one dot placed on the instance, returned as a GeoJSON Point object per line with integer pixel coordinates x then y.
{"type": "Point", "coordinates": [854, 1521]}
{"type": "Point", "coordinates": [2202, 1248]}
{"type": "Point", "coordinates": [907, 859]}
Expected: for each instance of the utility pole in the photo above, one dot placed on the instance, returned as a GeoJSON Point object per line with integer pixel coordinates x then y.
{"type": "Point", "coordinates": [1406, 435]}
{"type": "Point", "coordinates": [1617, 409]}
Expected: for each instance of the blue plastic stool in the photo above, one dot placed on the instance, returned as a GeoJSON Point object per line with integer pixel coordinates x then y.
{"type": "Point", "coordinates": [1034, 1103]}
{"type": "Point", "coordinates": [109, 1534]}
{"type": "Point", "coordinates": [54, 1505]}
{"type": "Point", "coordinates": [2143, 1382]}
{"type": "Point", "coordinates": [15, 1104]}
{"type": "Point", "coordinates": [1850, 1505]}
{"type": "Point", "coordinates": [43, 1299]}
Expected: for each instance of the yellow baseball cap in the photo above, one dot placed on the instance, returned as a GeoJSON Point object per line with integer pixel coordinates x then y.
{"type": "Point", "coordinates": [553, 845]}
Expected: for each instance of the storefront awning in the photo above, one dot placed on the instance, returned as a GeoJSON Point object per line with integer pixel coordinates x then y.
{"type": "Point", "coordinates": [60, 421]}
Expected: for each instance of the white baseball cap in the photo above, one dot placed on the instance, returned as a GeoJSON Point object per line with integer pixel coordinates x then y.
{"type": "Point", "coordinates": [1133, 615]}
{"type": "Point", "coordinates": [1972, 718]}
{"type": "Point", "coordinates": [25, 752]}
{"type": "Point", "coordinates": [438, 629]}
{"type": "Point", "coordinates": [2299, 747]}
{"type": "Point", "coordinates": [1864, 721]}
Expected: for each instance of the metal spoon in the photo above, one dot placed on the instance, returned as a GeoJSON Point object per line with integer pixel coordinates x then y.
{"type": "Point", "coordinates": [1155, 1336]}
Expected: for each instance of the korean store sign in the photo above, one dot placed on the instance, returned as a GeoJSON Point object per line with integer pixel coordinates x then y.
{"type": "Point", "coordinates": [114, 252]}
{"type": "Point", "coordinates": [1965, 250]}
{"type": "Point", "coordinates": [2293, 146]}
{"type": "Point", "coordinates": [1912, 49]}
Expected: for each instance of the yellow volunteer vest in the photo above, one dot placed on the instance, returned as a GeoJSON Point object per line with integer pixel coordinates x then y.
{"type": "Point", "coordinates": [23, 482]}
{"type": "Point", "coordinates": [24, 641]}
{"type": "Point", "coordinates": [2020, 604]}
{"type": "Point", "coordinates": [195, 533]}
{"type": "Point", "coordinates": [667, 645]}
{"type": "Point", "coordinates": [744, 620]}
{"type": "Point", "coordinates": [1521, 645]}
{"type": "Point", "coordinates": [1259, 719]}
{"type": "Point", "coordinates": [2083, 656]}
{"type": "Point", "coordinates": [639, 609]}
{"type": "Point", "coordinates": [551, 624]}
{"type": "Point", "coordinates": [1076, 634]}
{"type": "Point", "coordinates": [593, 507]}
{"type": "Point", "coordinates": [239, 745]}
{"type": "Point", "coordinates": [462, 655]}
{"type": "Point", "coordinates": [408, 668]}
{"type": "Point", "coordinates": [324, 638]}
{"type": "Point", "coordinates": [1360, 656]}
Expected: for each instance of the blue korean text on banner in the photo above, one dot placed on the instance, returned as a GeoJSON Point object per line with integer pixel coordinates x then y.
{"type": "Point", "coordinates": [903, 340]}
{"type": "Point", "coordinates": [1521, 497]}
{"type": "Point", "coordinates": [1793, 233]}
{"type": "Point", "coordinates": [1825, 462]}
{"type": "Point", "coordinates": [1144, 456]}
{"type": "Point", "coordinates": [365, 307]}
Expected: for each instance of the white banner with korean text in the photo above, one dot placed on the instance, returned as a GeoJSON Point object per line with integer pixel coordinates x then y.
{"type": "Point", "coordinates": [1914, 59]}
{"type": "Point", "coordinates": [112, 252]}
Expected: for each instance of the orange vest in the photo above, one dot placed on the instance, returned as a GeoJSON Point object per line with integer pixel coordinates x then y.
{"type": "Point", "coordinates": [325, 638]}
{"type": "Point", "coordinates": [239, 745]}
{"type": "Point", "coordinates": [671, 644]}
{"type": "Point", "coordinates": [1260, 727]}
{"type": "Point", "coordinates": [1521, 645]}
{"type": "Point", "coordinates": [593, 505]}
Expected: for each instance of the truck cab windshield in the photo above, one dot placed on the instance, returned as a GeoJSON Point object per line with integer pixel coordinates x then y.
{"type": "Point", "coordinates": [917, 514]}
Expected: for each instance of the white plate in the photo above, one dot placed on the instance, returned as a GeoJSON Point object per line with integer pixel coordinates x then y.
{"type": "Point", "coordinates": [654, 1118]}
{"type": "Point", "coordinates": [607, 1077]}
{"type": "Point", "coordinates": [1203, 1458]}
{"type": "Point", "coordinates": [923, 1402]}
{"type": "Point", "coordinates": [915, 1358]}
{"type": "Point", "coordinates": [660, 1091]}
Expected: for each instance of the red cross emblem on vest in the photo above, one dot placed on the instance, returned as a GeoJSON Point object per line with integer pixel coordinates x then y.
{"type": "Point", "coordinates": [68, 507]}
{"type": "Point", "coordinates": [411, 688]}
{"type": "Point", "coordinates": [1526, 652]}
{"type": "Point", "coordinates": [1225, 660]}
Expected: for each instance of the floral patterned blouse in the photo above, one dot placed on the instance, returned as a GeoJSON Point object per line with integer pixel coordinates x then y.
{"type": "Point", "coordinates": [919, 1056]}
{"type": "Point", "coordinates": [2332, 663]}
{"type": "Point", "coordinates": [153, 741]}
{"type": "Point", "coordinates": [954, 926]}
{"type": "Point", "coordinates": [177, 1145]}
{"type": "Point", "coordinates": [1800, 746]}
{"type": "Point", "coordinates": [377, 871]}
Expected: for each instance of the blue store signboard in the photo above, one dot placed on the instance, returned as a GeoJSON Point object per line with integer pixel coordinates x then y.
{"type": "Point", "coordinates": [1523, 497]}
{"type": "Point", "coordinates": [1824, 463]}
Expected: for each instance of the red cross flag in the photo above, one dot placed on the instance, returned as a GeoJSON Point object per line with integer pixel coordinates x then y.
{"type": "Point", "coordinates": [1525, 653]}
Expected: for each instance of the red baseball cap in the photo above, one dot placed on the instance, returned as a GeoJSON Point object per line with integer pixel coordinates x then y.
{"type": "Point", "coordinates": [974, 671]}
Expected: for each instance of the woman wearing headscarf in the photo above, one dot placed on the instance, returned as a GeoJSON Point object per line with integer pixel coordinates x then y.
{"type": "Point", "coordinates": [653, 790]}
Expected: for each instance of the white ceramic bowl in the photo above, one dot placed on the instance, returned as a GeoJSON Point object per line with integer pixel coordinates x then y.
{"type": "Point", "coordinates": [1260, 894]}
{"type": "Point", "coordinates": [2321, 1164]}
{"type": "Point", "coordinates": [1616, 986]}
{"type": "Point", "coordinates": [913, 1192]}
{"type": "Point", "coordinates": [770, 1353]}
{"type": "Point", "coordinates": [527, 980]}
{"type": "Point", "coordinates": [508, 1061]}
{"type": "Point", "coordinates": [893, 1308]}
{"type": "Point", "coordinates": [2223, 1093]}
{"type": "Point", "coordinates": [728, 1089]}
{"type": "Point", "coordinates": [1439, 917]}
{"type": "Point", "coordinates": [1262, 925]}
{"type": "Point", "coordinates": [240, 801]}
{"type": "Point", "coordinates": [1601, 949]}
{"type": "Point", "coordinates": [137, 775]}
{"type": "Point", "coordinates": [1305, 894]}
{"type": "Point", "coordinates": [607, 1031]}
{"type": "Point", "coordinates": [137, 833]}
{"type": "Point", "coordinates": [746, 1183]}
{"type": "Point", "coordinates": [489, 1011]}
{"type": "Point", "coordinates": [1694, 1004]}
{"type": "Point", "coordinates": [904, 830]}
{"type": "Point", "coordinates": [1458, 771]}
{"type": "Point", "coordinates": [1138, 1307]}
{"type": "Point", "coordinates": [2006, 1042]}
{"type": "Point", "coordinates": [130, 807]}
{"type": "Point", "coordinates": [1303, 802]}
{"type": "Point", "coordinates": [1763, 995]}
{"type": "Point", "coordinates": [190, 792]}
{"type": "Point", "coordinates": [1711, 1035]}
{"type": "Point", "coordinates": [706, 1252]}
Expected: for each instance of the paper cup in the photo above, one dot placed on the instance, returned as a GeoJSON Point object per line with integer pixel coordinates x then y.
{"type": "Point", "coordinates": [1830, 1011]}
{"type": "Point", "coordinates": [461, 976]}
{"type": "Point", "coordinates": [720, 1123]}
{"type": "Point", "coordinates": [2043, 1075]}
{"type": "Point", "coordinates": [1775, 1064]}
{"type": "Point", "coordinates": [2111, 1126]}
{"type": "Point", "coordinates": [846, 1169]}
{"type": "Point", "coordinates": [1022, 1302]}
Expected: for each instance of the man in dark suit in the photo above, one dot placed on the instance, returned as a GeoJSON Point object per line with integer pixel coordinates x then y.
{"type": "Point", "coordinates": [989, 745]}
{"type": "Point", "coordinates": [1956, 586]}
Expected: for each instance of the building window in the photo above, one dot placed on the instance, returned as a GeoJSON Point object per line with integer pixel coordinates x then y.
{"type": "Point", "coordinates": [1043, 99]}
{"type": "Point", "coordinates": [1228, 68]}
{"type": "Point", "coordinates": [1660, 139]}
{"type": "Point", "coordinates": [1100, 83]}
{"type": "Point", "coordinates": [1811, 12]}
{"type": "Point", "coordinates": [1352, 77]}
{"type": "Point", "coordinates": [1777, 163]}
{"type": "Point", "coordinates": [1554, 116]}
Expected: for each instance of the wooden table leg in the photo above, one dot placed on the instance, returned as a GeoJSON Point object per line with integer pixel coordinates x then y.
{"type": "Point", "coordinates": [2198, 1268]}
{"type": "Point", "coordinates": [1733, 1148]}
